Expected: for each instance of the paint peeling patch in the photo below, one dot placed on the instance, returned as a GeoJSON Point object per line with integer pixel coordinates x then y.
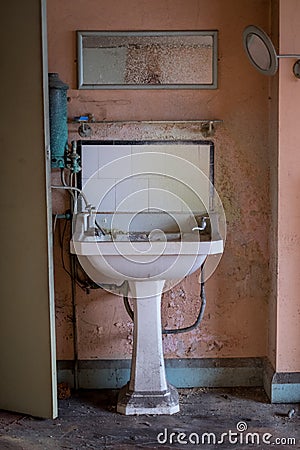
{"type": "Point", "coordinates": [126, 331]}
{"type": "Point", "coordinates": [215, 345]}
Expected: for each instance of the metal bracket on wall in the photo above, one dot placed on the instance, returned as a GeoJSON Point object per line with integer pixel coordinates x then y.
{"type": "Point", "coordinates": [208, 128]}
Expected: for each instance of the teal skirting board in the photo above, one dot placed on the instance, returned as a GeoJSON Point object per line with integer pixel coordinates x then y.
{"type": "Point", "coordinates": [187, 373]}
{"type": "Point", "coordinates": [281, 387]}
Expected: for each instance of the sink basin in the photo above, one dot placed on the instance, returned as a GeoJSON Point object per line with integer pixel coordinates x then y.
{"type": "Point", "coordinates": [108, 260]}
{"type": "Point", "coordinates": [146, 259]}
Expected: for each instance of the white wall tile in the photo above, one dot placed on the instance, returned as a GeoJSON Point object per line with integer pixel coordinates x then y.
{"type": "Point", "coordinates": [148, 158]}
{"type": "Point", "coordinates": [162, 195]}
{"type": "Point", "coordinates": [190, 200]}
{"type": "Point", "coordinates": [101, 193]}
{"type": "Point", "coordinates": [132, 194]}
{"type": "Point", "coordinates": [191, 177]}
{"type": "Point", "coordinates": [168, 192]}
{"type": "Point", "coordinates": [188, 152]}
{"type": "Point", "coordinates": [172, 182]}
{"type": "Point", "coordinates": [114, 161]}
{"type": "Point", "coordinates": [89, 160]}
{"type": "Point", "coordinates": [204, 158]}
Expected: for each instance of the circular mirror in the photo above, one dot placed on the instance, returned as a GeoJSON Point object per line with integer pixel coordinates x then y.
{"type": "Point", "coordinates": [260, 50]}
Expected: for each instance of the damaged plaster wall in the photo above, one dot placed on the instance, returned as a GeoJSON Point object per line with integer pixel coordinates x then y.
{"type": "Point", "coordinates": [235, 321]}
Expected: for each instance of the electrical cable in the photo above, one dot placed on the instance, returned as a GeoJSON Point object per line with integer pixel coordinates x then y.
{"type": "Point", "coordinates": [54, 223]}
{"type": "Point", "coordinates": [62, 177]}
{"type": "Point", "coordinates": [184, 329]}
{"type": "Point", "coordinates": [61, 242]}
{"type": "Point", "coordinates": [72, 271]}
{"type": "Point", "coordinates": [72, 188]}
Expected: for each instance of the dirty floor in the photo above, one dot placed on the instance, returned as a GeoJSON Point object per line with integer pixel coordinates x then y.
{"type": "Point", "coordinates": [209, 419]}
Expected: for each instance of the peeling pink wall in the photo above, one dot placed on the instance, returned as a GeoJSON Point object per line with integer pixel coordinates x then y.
{"type": "Point", "coordinates": [288, 300]}
{"type": "Point", "coordinates": [235, 323]}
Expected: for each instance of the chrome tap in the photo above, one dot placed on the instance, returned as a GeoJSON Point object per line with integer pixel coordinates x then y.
{"type": "Point", "coordinates": [91, 220]}
{"type": "Point", "coordinates": [92, 227]}
{"type": "Point", "coordinates": [203, 224]}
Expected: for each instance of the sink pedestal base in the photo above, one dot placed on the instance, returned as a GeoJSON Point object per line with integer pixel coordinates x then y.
{"type": "Point", "coordinates": [147, 391]}
{"type": "Point", "coordinates": [148, 402]}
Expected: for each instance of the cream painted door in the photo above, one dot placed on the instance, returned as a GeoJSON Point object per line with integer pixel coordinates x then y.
{"type": "Point", "coordinates": [27, 338]}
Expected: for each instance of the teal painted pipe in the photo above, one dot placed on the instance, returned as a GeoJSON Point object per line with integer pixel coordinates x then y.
{"type": "Point", "coordinates": [58, 120]}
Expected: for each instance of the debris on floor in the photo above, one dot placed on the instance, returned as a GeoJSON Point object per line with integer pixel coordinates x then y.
{"type": "Point", "coordinates": [207, 418]}
{"type": "Point", "coordinates": [63, 391]}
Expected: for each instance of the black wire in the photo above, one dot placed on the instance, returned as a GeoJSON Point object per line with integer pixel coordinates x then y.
{"type": "Point", "coordinates": [85, 280]}
{"type": "Point", "coordinates": [184, 329]}
{"type": "Point", "coordinates": [128, 307]}
{"type": "Point", "coordinates": [199, 318]}
{"type": "Point", "coordinates": [61, 241]}
{"type": "Point", "coordinates": [62, 248]}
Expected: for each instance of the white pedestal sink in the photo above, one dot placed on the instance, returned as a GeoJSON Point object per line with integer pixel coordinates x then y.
{"type": "Point", "coordinates": [146, 265]}
{"type": "Point", "coordinates": [147, 391]}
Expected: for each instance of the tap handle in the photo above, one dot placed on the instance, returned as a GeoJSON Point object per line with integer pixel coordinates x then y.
{"type": "Point", "coordinates": [203, 224]}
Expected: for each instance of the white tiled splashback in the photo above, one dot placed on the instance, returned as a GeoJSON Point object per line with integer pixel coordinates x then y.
{"type": "Point", "coordinates": [143, 177]}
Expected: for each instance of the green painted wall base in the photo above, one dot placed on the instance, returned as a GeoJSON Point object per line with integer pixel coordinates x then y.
{"type": "Point", "coordinates": [281, 387]}
{"type": "Point", "coordinates": [187, 373]}
{"type": "Point", "coordinates": [230, 372]}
